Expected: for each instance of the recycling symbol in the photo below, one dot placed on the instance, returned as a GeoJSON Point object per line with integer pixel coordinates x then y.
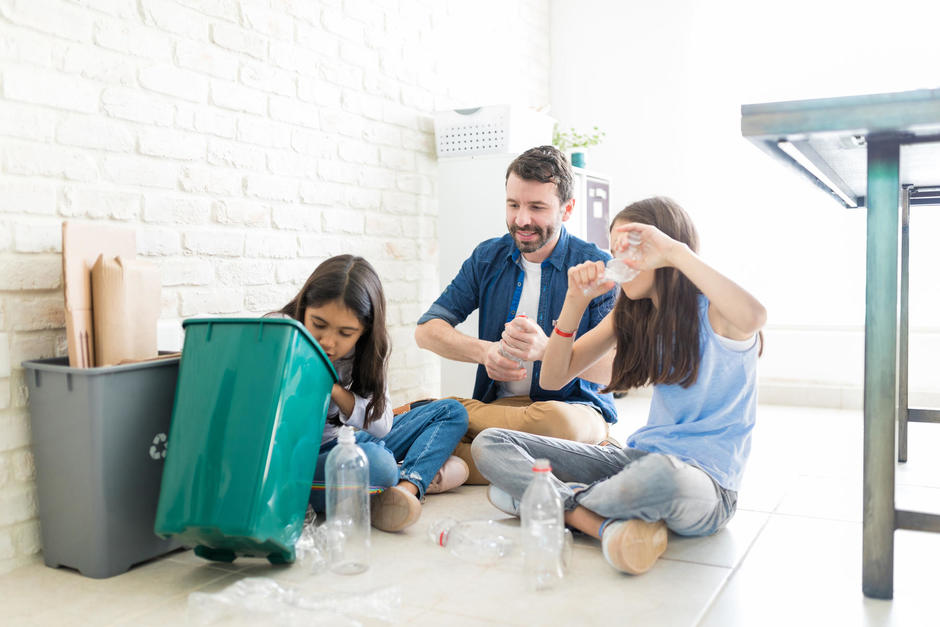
{"type": "Point", "coordinates": [158, 448]}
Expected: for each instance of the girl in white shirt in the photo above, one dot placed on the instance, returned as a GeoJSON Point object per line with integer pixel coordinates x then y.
{"type": "Point", "coordinates": [343, 306]}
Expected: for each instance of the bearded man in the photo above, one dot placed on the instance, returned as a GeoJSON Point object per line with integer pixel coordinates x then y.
{"type": "Point", "coordinates": [518, 282]}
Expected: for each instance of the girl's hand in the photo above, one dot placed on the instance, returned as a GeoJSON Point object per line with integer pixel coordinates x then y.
{"type": "Point", "coordinates": [343, 398]}
{"type": "Point", "coordinates": [656, 248]}
{"type": "Point", "coordinates": [585, 282]}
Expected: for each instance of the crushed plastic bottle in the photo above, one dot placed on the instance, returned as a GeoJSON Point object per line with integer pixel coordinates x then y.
{"type": "Point", "coordinates": [263, 601]}
{"type": "Point", "coordinates": [616, 270]}
{"type": "Point", "coordinates": [477, 541]}
{"type": "Point", "coordinates": [312, 548]}
{"type": "Point", "coordinates": [543, 529]}
{"type": "Point", "coordinates": [347, 506]}
{"type": "Point", "coordinates": [504, 353]}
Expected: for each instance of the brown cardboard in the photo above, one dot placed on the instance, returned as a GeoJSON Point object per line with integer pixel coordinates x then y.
{"type": "Point", "coordinates": [126, 300]}
{"type": "Point", "coordinates": [82, 243]}
{"type": "Point", "coordinates": [167, 355]}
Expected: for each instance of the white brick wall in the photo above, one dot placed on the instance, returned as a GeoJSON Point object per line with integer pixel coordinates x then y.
{"type": "Point", "coordinates": [245, 141]}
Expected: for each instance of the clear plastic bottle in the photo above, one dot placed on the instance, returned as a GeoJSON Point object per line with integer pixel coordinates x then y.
{"type": "Point", "coordinates": [616, 270]}
{"type": "Point", "coordinates": [477, 541]}
{"type": "Point", "coordinates": [543, 529]}
{"type": "Point", "coordinates": [502, 350]}
{"type": "Point", "coordinates": [347, 506]}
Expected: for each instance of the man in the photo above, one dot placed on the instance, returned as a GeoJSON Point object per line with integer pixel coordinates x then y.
{"type": "Point", "coordinates": [524, 272]}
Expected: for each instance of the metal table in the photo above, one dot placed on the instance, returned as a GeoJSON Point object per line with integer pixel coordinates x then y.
{"type": "Point", "coordinates": [879, 151]}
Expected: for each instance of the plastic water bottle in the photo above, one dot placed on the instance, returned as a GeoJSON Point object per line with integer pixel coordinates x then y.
{"type": "Point", "coordinates": [502, 350]}
{"type": "Point", "coordinates": [479, 541]}
{"type": "Point", "coordinates": [543, 529]}
{"type": "Point", "coordinates": [616, 270]}
{"type": "Point", "coordinates": [347, 506]}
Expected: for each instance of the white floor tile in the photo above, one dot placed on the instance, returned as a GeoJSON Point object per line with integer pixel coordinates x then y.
{"type": "Point", "coordinates": [805, 571]}
{"type": "Point", "coordinates": [725, 548]}
{"type": "Point", "coordinates": [838, 498]}
{"type": "Point", "coordinates": [790, 556]}
{"type": "Point", "coordinates": [592, 594]}
{"type": "Point", "coordinates": [436, 618]}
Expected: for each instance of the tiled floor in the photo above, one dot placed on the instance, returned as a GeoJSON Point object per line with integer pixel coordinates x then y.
{"type": "Point", "coordinates": [791, 556]}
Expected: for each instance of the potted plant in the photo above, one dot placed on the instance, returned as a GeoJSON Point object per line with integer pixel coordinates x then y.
{"type": "Point", "coordinates": [574, 142]}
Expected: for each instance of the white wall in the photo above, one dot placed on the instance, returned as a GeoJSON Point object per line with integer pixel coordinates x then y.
{"type": "Point", "coordinates": [666, 81]}
{"type": "Point", "coordinates": [244, 141]}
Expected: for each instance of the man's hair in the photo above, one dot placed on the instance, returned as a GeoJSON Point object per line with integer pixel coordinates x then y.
{"type": "Point", "coordinates": [545, 164]}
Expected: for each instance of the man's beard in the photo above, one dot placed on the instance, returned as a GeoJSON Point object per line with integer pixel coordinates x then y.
{"type": "Point", "coordinates": [544, 237]}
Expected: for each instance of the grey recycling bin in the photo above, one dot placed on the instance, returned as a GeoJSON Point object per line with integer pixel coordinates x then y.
{"type": "Point", "coordinates": [99, 441]}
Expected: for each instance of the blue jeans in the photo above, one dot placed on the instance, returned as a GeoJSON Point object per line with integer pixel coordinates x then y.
{"type": "Point", "coordinates": [622, 483]}
{"type": "Point", "coordinates": [421, 439]}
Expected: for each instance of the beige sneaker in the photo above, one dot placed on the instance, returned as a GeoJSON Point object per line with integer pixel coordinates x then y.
{"type": "Point", "coordinates": [633, 546]}
{"type": "Point", "coordinates": [395, 509]}
{"type": "Point", "coordinates": [453, 473]}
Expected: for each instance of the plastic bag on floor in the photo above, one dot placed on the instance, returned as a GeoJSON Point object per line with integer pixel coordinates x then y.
{"type": "Point", "coordinates": [257, 600]}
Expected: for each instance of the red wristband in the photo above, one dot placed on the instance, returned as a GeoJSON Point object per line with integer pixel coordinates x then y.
{"type": "Point", "coordinates": [563, 333]}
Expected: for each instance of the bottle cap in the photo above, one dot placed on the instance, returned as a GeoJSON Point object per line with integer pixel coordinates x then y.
{"type": "Point", "coordinates": [542, 465]}
{"type": "Point", "coordinates": [346, 435]}
{"type": "Point", "coordinates": [439, 530]}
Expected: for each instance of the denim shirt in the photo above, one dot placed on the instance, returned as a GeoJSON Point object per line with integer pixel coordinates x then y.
{"type": "Point", "coordinates": [491, 280]}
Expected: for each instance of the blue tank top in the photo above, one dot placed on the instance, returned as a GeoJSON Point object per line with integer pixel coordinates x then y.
{"type": "Point", "coordinates": [709, 423]}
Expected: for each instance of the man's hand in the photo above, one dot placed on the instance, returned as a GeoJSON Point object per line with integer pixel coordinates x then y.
{"type": "Point", "coordinates": [524, 339]}
{"type": "Point", "coordinates": [501, 368]}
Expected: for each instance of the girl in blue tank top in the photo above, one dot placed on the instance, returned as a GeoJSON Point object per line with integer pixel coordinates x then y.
{"type": "Point", "coordinates": [693, 334]}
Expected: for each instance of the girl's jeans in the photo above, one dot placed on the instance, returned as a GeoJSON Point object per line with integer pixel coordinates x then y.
{"type": "Point", "coordinates": [622, 483]}
{"type": "Point", "coordinates": [421, 439]}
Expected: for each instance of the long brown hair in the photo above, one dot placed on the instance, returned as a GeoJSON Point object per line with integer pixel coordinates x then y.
{"type": "Point", "coordinates": [658, 344]}
{"type": "Point", "coordinates": [354, 282]}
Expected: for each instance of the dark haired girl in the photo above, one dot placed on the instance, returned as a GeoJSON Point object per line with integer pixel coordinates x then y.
{"type": "Point", "coordinates": [343, 306]}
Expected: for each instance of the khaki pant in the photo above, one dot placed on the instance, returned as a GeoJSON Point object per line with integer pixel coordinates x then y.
{"type": "Point", "coordinates": [569, 421]}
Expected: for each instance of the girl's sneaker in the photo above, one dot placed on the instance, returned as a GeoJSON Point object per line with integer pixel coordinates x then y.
{"type": "Point", "coordinates": [576, 486]}
{"type": "Point", "coordinates": [503, 501]}
{"type": "Point", "coordinates": [453, 473]}
{"type": "Point", "coordinates": [633, 546]}
{"type": "Point", "coordinates": [395, 509]}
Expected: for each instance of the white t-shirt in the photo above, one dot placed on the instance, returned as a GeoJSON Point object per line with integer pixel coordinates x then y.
{"type": "Point", "coordinates": [528, 305]}
{"type": "Point", "coordinates": [378, 428]}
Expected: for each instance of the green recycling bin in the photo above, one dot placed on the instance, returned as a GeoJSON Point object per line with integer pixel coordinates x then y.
{"type": "Point", "coordinates": [250, 405]}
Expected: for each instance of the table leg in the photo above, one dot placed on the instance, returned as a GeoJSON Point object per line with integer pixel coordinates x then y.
{"type": "Point", "coordinates": [881, 358]}
{"type": "Point", "coordinates": [904, 330]}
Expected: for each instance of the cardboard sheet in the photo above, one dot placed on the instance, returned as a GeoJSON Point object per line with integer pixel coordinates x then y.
{"type": "Point", "coordinates": [82, 243]}
{"type": "Point", "coordinates": [126, 305]}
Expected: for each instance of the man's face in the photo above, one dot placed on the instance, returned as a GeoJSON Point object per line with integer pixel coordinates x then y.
{"type": "Point", "coordinates": [533, 216]}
